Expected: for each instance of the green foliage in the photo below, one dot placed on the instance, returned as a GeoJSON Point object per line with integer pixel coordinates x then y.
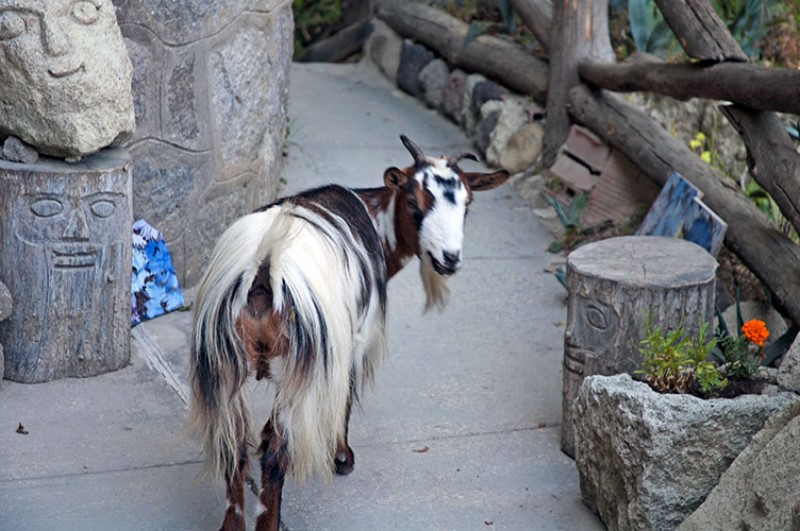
{"type": "Point", "coordinates": [649, 30]}
{"type": "Point", "coordinates": [311, 17]}
{"type": "Point", "coordinates": [674, 362]}
{"type": "Point", "coordinates": [571, 218]}
{"type": "Point", "coordinates": [747, 21]}
{"type": "Point", "coordinates": [479, 27]}
{"type": "Point", "coordinates": [740, 360]}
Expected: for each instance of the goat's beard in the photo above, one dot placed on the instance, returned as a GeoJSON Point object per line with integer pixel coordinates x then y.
{"type": "Point", "coordinates": [436, 291]}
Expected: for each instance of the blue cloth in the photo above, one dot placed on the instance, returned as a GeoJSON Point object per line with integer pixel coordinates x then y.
{"type": "Point", "coordinates": [154, 286]}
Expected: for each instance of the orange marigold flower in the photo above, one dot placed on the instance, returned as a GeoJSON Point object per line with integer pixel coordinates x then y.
{"type": "Point", "coordinates": [755, 331]}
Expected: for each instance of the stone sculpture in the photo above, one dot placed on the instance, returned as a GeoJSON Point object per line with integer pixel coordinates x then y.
{"type": "Point", "coordinates": [65, 76]}
{"type": "Point", "coordinates": [65, 235]}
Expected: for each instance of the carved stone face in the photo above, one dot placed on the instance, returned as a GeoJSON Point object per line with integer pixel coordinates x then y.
{"type": "Point", "coordinates": [72, 226]}
{"type": "Point", "coordinates": [59, 58]}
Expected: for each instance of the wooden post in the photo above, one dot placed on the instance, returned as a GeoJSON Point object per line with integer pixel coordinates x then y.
{"type": "Point", "coordinates": [65, 235]}
{"type": "Point", "coordinates": [615, 285]}
{"type": "Point", "coordinates": [579, 30]}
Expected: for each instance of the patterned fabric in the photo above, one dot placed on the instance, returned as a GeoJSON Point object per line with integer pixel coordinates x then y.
{"type": "Point", "coordinates": [154, 286]}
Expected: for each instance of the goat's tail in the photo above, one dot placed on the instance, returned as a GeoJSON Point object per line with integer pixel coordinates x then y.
{"type": "Point", "coordinates": [219, 414]}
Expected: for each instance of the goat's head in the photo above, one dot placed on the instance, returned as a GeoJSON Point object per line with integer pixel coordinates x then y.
{"type": "Point", "coordinates": [438, 194]}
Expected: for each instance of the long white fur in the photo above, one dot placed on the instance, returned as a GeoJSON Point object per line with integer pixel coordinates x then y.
{"type": "Point", "coordinates": [317, 262]}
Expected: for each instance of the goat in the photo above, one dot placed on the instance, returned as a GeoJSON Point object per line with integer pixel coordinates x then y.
{"type": "Point", "coordinates": [295, 292]}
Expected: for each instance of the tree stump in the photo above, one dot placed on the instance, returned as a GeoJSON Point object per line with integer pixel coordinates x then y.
{"type": "Point", "coordinates": [615, 285]}
{"type": "Point", "coordinates": [65, 256]}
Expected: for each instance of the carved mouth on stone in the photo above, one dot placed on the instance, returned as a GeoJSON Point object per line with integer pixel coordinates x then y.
{"type": "Point", "coordinates": [74, 256]}
{"type": "Point", "coordinates": [66, 70]}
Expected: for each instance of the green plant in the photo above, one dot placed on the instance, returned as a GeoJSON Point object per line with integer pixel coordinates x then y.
{"type": "Point", "coordinates": [479, 27]}
{"type": "Point", "coordinates": [649, 30]}
{"type": "Point", "coordinates": [675, 362]}
{"type": "Point", "coordinates": [310, 19]}
{"type": "Point", "coordinates": [570, 218]}
{"type": "Point", "coordinates": [747, 21]}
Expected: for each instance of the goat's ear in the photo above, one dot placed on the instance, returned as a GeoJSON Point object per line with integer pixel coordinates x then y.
{"type": "Point", "coordinates": [395, 178]}
{"type": "Point", "coordinates": [480, 182]}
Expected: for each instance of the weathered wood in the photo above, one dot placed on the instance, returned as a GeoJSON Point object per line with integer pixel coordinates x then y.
{"type": "Point", "coordinates": [757, 87]}
{"type": "Point", "coordinates": [537, 16]}
{"type": "Point", "coordinates": [773, 257]}
{"type": "Point", "coordinates": [507, 62]}
{"type": "Point", "coordinates": [65, 232]}
{"type": "Point", "coordinates": [615, 287]}
{"type": "Point", "coordinates": [339, 46]}
{"type": "Point", "coordinates": [579, 30]}
{"type": "Point", "coordinates": [700, 31]}
{"type": "Point", "coordinates": [773, 161]}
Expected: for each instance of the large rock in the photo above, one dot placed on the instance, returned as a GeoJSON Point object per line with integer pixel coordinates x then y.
{"type": "Point", "coordinates": [789, 371]}
{"type": "Point", "coordinates": [413, 58]}
{"type": "Point", "coordinates": [383, 46]}
{"type": "Point", "coordinates": [761, 489]}
{"type": "Point", "coordinates": [453, 96]}
{"type": "Point", "coordinates": [512, 118]}
{"type": "Point", "coordinates": [65, 77]}
{"type": "Point", "coordinates": [470, 115]}
{"type": "Point", "coordinates": [210, 86]}
{"type": "Point", "coordinates": [522, 148]}
{"type": "Point", "coordinates": [433, 79]}
{"type": "Point", "coordinates": [648, 460]}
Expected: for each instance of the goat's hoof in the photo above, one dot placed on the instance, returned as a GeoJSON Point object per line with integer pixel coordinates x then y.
{"type": "Point", "coordinates": [344, 464]}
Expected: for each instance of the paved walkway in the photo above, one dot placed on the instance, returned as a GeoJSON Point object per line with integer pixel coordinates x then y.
{"type": "Point", "coordinates": [460, 432]}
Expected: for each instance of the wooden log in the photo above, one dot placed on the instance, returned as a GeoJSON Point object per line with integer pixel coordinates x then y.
{"type": "Point", "coordinates": [700, 31]}
{"type": "Point", "coordinates": [579, 30]}
{"type": "Point", "coordinates": [507, 62]}
{"type": "Point", "coordinates": [773, 257]}
{"type": "Point", "coordinates": [757, 87]}
{"type": "Point", "coordinates": [65, 232]}
{"type": "Point", "coordinates": [615, 287]}
{"type": "Point", "coordinates": [339, 46]}
{"type": "Point", "coordinates": [537, 16]}
{"type": "Point", "coordinates": [773, 160]}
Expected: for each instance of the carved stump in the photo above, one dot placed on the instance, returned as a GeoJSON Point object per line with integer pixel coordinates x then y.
{"type": "Point", "coordinates": [65, 255]}
{"type": "Point", "coordinates": [6, 304]}
{"type": "Point", "coordinates": [614, 286]}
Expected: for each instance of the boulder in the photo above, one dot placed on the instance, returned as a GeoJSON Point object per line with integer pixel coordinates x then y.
{"type": "Point", "coordinates": [383, 48]}
{"type": "Point", "coordinates": [66, 79]}
{"type": "Point", "coordinates": [648, 460]}
{"type": "Point", "coordinates": [512, 118]}
{"type": "Point", "coordinates": [522, 148]}
{"type": "Point", "coordinates": [761, 489]}
{"type": "Point", "coordinates": [453, 97]}
{"type": "Point", "coordinates": [433, 78]}
{"type": "Point", "coordinates": [15, 150]}
{"type": "Point", "coordinates": [413, 58]}
{"type": "Point", "coordinates": [789, 371]}
{"type": "Point", "coordinates": [490, 115]}
{"type": "Point", "coordinates": [469, 113]}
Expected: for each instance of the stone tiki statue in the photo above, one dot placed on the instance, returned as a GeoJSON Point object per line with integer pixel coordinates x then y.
{"type": "Point", "coordinates": [65, 76]}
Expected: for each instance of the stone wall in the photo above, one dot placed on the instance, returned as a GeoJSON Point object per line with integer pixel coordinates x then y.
{"type": "Point", "coordinates": [505, 127]}
{"type": "Point", "coordinates": [210, 93]}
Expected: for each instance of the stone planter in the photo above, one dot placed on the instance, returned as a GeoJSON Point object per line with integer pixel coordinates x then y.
{"type": "Point", "coordinates": [647, 460]}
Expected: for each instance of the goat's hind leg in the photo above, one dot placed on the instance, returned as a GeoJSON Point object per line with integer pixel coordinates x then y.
{"type": "Point", "coordinates": [274, 463]}
{"type": "Point", "coordinates": [344, 461]}
{"type": "Point", "coordinates": [234, 514]}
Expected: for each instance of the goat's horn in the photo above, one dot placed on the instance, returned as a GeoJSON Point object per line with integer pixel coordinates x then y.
{"type": "Point", "coordinates": [412, 148]}
{"type": "Point", "coordinates": [464, 155]}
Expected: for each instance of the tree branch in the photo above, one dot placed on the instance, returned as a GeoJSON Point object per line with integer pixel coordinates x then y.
{"type": "Point", "coordinates": [757, 87]}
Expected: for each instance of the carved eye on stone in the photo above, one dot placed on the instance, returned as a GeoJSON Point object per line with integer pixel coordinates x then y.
{"type": "Point", "coordinates": [103, 208]}
{"type": "Point", "coordinates": [47, 208]}
{"type": "Point", "coordinates": [85, 12]}
{"type": "Point", "coordinates": [596, 318]}
{"type": "Point", "coordinates": [11, 25]}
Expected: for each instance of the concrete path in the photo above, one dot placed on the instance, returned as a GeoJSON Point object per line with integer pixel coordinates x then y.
{"type": "Point", "coordinates": [460, 432]}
